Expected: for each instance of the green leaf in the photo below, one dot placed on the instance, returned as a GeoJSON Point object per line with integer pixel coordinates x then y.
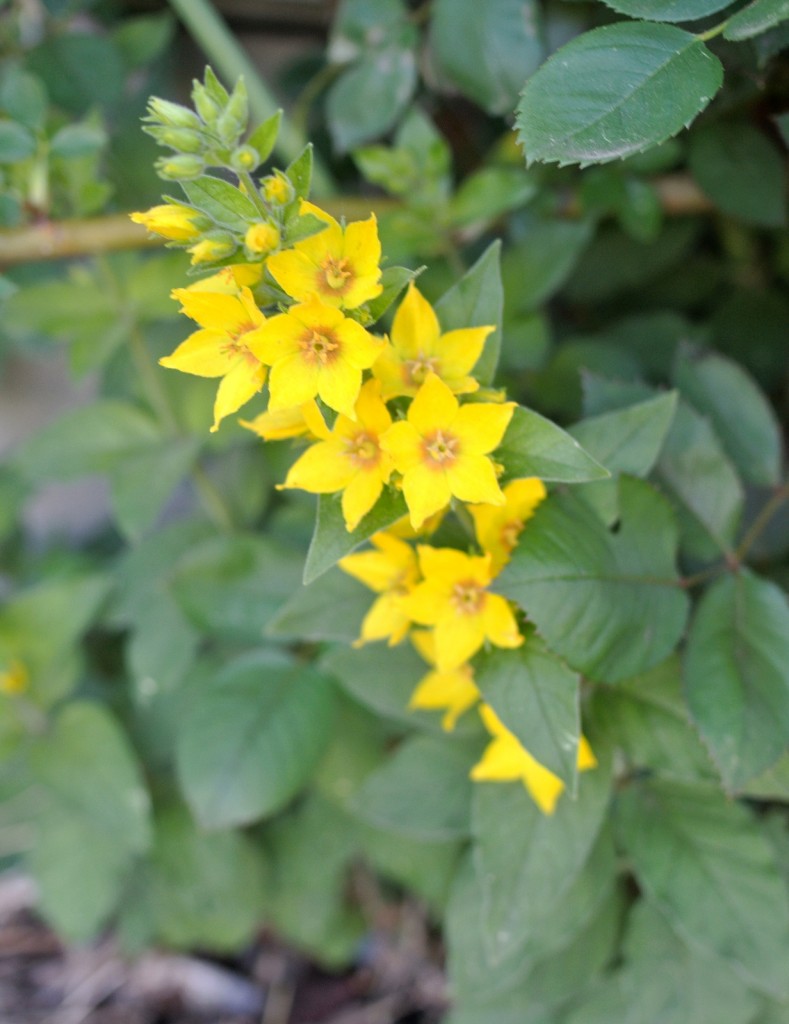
{"type": "Point", "coordinates": [487, 49]}
{"type": "Point", "coordinates": [477, 300]}
{"type": "Point", "coordinates": [264, 137]}
{"type": "Point", "coordinates": [369, 98]}
{"type": "Point", "coordinates": [527, 861]}
{"type": "Point", "coordinates": [706, 866]}
{"type": "Point", "coordinates": [423, 790]}
{"type": "Point", "coordinates": [608, 603]}
{"type": "Point", "coordinates": [741, 171]}
{"type": "Point", "coordinates": [743, 419]}
{"type": "Point", "coordinates": [668, 10]}
{"type": "Point", "coordinates": [222, 202]}
{"type": "Point", "coordinates": [647, 718]}
{"type": "Point", "coordinates": [424, 867]}
{"type": "Point", "coordinates": [536, 697]}
{"type": "Point", "coordinates": [16, 142]}
{"type": "Point", "coordinates": [94, 822]}
{"type": "Point", "coordinates": [536, 267]}
{"type": "Point", "coordinates": [757, 17]}
{"type": "Point", "coordinates": [331, 540]}
{"type": "Point", "coordinates": [737, 675]}
{"type": "Point", "coordinates": [79, 69]}
{"type": "Point", "coordinates": [299, 172]}
{"type": "Point", "coordinates": [143, 482]}
{"type": "Point", "coordinates": [205, 889]}
{"type": "Point", "coordinates": [23, 97]}
{"type": "Point", "coordinates": [650, 81]}
{"type": "Point", "coordinates": [703, 482]}
{"type": "Point", "coordinates": [393, 281]}
{"type": "Point", "coordinates": [74, 141]}
{"type": "Point", "coordinates": [491, 192]}
{"type": "Point", "coordinates": [628, 440]}
{"type": "Point", "coordinates": [142, 39]}
{"type": "Point", "coordinates": [252, 738]}
{"type": "Point", "coordinates": [90, 439]}
{"type": "Point", "coordinates": [533, 446]}
{"type": "Point", "coordinates": [330, 608]}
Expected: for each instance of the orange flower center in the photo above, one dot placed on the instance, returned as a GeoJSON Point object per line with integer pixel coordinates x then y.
{"type": "Point", "coordinates": [416, 370]}
{"type": "Point", "coordinates": [440, 449]}
{"type": "Point", "coordinates": [468, 597]}
{"type": "Point", "coordinates": [335, 275]}
{"type": "Point", "coordinates": [317, 347]}
{"type": "Point", "coordinates": [234, 347]}
{"type": "Point", "coordinates": [363, 450]}
{"type": "Point", "coordinates": [510, 533]}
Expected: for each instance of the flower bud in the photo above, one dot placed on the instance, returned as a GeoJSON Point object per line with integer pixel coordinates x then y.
{"type": "Point", "coordinates": [277, 189]}
{"type": "Point", "coordinates": [172, 221]}
{"type": "Point", "coordinates": [206, 107]}
{"type": "Point", "coordinates": [180, 167]}
{"type": "Point", "coordinates": [173, 114]}
{"type": "Point", "coordinates": [244, 158]}
{"type": "Point", "coordinates": [183, 140]}
{"type": "Point", "coordinates": [233, 119]}
{"type": "Point", "coordinates": [262, 238]}
{"type": "Point", "coordinates": [215, 246]}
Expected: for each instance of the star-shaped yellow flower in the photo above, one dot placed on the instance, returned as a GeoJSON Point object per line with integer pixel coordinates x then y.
{"type": "Point", "coordinates": [349, 458]}
{"type": "Point", "coordinates": [453, 597]}
{"type": "Point", "coordinates": [499, 526]}
{"type": "Point", "coordinates": [418, 348]}
{"type": "Point", "coordinates": [391, 571]}
{"type": "Point", "coordinates": [339, 265]}
{"type": "Point", "coordinates": [454, 692]}
{"type": "Point", "coordinates": [441, 449]}
{"type": "Point", "coordinates": [222, 347]}
{"type": "Point", "coordinates": [506, 760]}
{"type": "Point", "coordinates": [170, 220]}
{"type": "Point", "coordinates": [314, 349]}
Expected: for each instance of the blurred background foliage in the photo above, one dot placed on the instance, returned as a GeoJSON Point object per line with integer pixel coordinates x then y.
{"type": "Point", "coordinates": [133, 633]}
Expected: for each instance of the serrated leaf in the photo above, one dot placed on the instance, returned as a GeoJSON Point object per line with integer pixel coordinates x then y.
{"type": "Point", "coordinates": [743, 418]}
{"type": "Point", "coordinates": [737, 675]}
{"type": "Point", "coordinates": [225, 204]}
{"type": "Point", "coordinates": [477, 300]}
{"type": "Point", "coordinates": [251, 739]}
{"type": "Point", "coordinates": [650, 81]}
{"type": "Point", "coordinates": [525, 860]}
{"type": "Point", "coordinates": [487, 49]}
{"type": "Point", "coordinates": [668, 10]}
{"type": "Point", "coordinates": [536, 697]}
{"type": "Point", "coordinates": [608, 603]}
{"type": "Point", "coordinates": [264, 137]}
{"type": "Point", "coordinates": [628, 440]}
{"type": "Point", "coordinates": [741, 171]}
{"type": "Point", "coordinates": [701, 859]}
{"type": "Point", "coordinates": [534, 446]}
{"type": "Point", "coordinates": [422, 790]}
{"type": "Point", "coordinates": [331, 539]}
{"type": "Point", "coordinates": [757, 17]}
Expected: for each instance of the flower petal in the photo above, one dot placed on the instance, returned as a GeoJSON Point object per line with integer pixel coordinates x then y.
{"type": "Point", "coordinates": [458, 638]}
{"type": "Point", "coordinates": [472, 478]}
{"type": "Point", "coordinates": [292, 382]}
{"type": "Point", "coordinates": [425, 492]}
{"type": "Point", "coordinates": [500, 625]}
{"type": "Point", "coordinates": [459, 350]}
{"type": "Point", "coordinates": [202, 354]}
{"type": "Point", "coordinates": [321, 469]}
{"type": "Point", "coordinates": [359, 496]}
{"type": "Point", "coordinates": [236, 388]}
{"type": "Point", "coordinates": [214, 310]}
{"type": "Point", "coordinates": [339, 384]}
{"type": "Point", "coordinates": [481, 426]}
{"type": "Point", "coordinates": [404, 444]}
{"type": "Point", "coordinates": [277, 338]}
{"type": "Point", "coordinates": [415, 326]}
{"type": "Point", "coordinates": [434, 407]}
{"type": "Point", "coordinates": [295, 273]}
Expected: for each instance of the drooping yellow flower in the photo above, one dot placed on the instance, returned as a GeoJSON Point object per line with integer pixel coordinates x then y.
{"type": "Point", "coordinates": [262, 238]}
{"type": "Point", "coordinates": [453, 692]}
{"type": "Point", "coordinates": [441, 449]}
{"type": "Point", "coordinates": [313, 349]}
{"type": "Point", "coordinates": [453, 597]}
{"type": "Point", "coordinates": [418, 348]}
{"type": "Point", "coordinates": [221, 348]}
{"type": "Point", "coordinates": [170, 220]}
{"type": "Point", "coordinates": [339, 265]}
{"type": "Point", "coordinates": [506, 760]}
{"type": "Point", "coordinates": [391, 571]}
{"type": "Point", "coordinates": [349, 459]}
{"type": "Point", "coordinates": [499, 526]}
{"type": "Point", "coordinates": [301, 421]}
{"type": "Point", "coordinates": [14, 678]}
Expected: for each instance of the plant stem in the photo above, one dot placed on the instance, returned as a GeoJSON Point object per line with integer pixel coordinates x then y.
{"type": "Point", "coordinates": [222, 49]}
{"type": "Point", "coordinates": [252, 191]}
{"type": "Point", "coordinates": [716, 30]}
{"type": "Point", "coordinates": [760, 523]}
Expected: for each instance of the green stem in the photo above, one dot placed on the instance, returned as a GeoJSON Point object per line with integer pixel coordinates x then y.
{"type": "Point", "coordinates": [252, 191]}
{"type": "Point", "coordinates": [314, 87]}
{"type": "Point", "coordinates": [760, 523]}
{"type": "Point", "coordinates": [222, 49]}
{"type": "Point", "coordinates": [716, 30]}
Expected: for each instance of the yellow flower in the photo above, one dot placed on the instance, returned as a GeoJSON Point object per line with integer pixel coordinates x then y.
{"type": "Point", "coordinates": [391, 571]}
{"type": "Point", "coordinates": [277, 188]}
{"type": "Point", "coordinates": [208, 250]}
{"type": "Point", "coordinates": [262, 238]}
{"type": "Point", "coordinates": [418, 348]}
{"type": "Point", "coordinates": [442, 448]}
{"type": "Point", "coordinates": [170, 220]}
{"type": "Point", "coordinates": [506, 760]}
{"type": "Point", "coordinates": [303, 420]}
{"type": "Point", "coordinates": [454, 691]}
{"type": "Point", "coordinates": [453, 597]}
{"type": "Point", "coordinates": [14, 678]}
{"type": "Point", "coordinates": [314, 350]}
{"type": "Point", "coordinates": [349, 459]}
{"type": "Point", "coordinates": [499, 526]}
{"type": "Point", "coordinates": [230, 279]}
{"type": "Point", "coordinates": [221, 348]}
{"type": "Point", "coordinates": [339, 265]}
